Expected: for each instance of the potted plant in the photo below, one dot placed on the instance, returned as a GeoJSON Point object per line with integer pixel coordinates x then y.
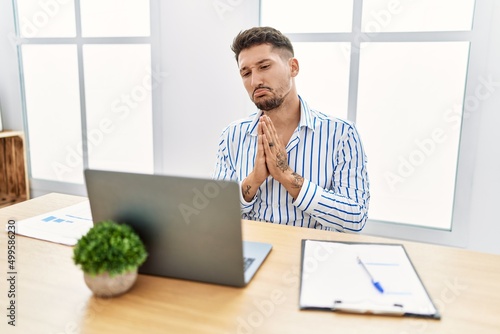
{"type": "Point", "coordinates": [109, 255]}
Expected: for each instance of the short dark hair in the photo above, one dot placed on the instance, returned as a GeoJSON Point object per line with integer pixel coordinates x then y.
{"type": "Point", "coordinates": [260, 35]}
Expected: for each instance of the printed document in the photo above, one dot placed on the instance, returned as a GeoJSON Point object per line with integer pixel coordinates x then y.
{"type": "Point", "coordinates": [64, 226]}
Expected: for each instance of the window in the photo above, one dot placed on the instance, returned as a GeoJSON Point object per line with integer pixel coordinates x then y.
{"type": "Point", "coordinates": [398, 69]}
{"type": "Point", "coordinates": [87, 86]}
{"type": "Point", "coordinates": [408, 93]}
{"type": "Point", "coordinates": [316, 16]}
{"type": "Point", "coordinates": [331, 92]}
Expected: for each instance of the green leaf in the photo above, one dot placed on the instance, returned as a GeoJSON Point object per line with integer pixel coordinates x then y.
{"type": "Point", "coordinates": [109, 247]}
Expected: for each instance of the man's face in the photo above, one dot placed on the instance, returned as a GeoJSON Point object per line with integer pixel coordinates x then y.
{"type": "Point", "coordinates": [267, 77]}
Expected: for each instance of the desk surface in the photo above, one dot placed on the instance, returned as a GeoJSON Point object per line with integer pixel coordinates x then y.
{"type": "Point", "coordinates": [51, 296]}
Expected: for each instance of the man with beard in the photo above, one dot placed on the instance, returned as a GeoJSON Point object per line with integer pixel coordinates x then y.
{"type": "Point", "coordinates": [296, 166]}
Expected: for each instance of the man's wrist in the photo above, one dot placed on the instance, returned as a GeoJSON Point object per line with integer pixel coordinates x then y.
{"type": "Point", "coordinates": [249, 187]}
{"type": "Point", "coordinates": [246, 191]}
{"type": "Point", "coordinates": [297, 181]}
{"type": "Point", "coordinates": [292, 182]}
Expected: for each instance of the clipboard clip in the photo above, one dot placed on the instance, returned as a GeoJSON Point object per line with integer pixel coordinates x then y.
{"type": "Point", "coordinates": [368, 308]}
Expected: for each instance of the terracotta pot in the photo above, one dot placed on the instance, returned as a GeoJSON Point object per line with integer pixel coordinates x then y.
{"type": "Point", "coordinates": [104, 285]}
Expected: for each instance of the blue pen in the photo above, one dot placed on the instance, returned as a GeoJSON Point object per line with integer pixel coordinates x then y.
{"type": "Point", "coordinates": [375, 283]}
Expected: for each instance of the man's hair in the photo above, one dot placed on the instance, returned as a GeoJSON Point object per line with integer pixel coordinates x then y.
{"type": "Point", "coordinates": [261, 35]}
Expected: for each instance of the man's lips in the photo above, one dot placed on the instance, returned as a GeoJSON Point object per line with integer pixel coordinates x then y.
{"type": "Point", "coordinates": [260, 92]}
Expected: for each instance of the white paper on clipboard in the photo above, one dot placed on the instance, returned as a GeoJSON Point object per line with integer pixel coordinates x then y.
{"type": "Point", "coordinates": [332, 278]}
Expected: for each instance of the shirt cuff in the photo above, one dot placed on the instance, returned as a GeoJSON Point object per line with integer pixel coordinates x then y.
{"type": "Point", "coordinates": [308, 196]}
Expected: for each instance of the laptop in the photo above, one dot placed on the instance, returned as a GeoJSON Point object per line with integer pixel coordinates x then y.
{"type": "Point", "coordinates": [191, 227]}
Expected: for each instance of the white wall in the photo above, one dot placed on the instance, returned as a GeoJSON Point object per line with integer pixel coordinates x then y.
{"type": "Point", "coordinates": [10, 96]}
{"type": "Point", "coordinates": [484, 222]}
{"type": "Point", "coordinates": [203, 92]}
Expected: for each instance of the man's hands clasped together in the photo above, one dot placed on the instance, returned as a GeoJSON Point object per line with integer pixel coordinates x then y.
{"type": "Point", "coordinates": [271, 159]}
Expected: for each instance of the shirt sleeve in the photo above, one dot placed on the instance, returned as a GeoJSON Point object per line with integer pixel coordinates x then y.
{"type": "Point", "coordinates": [225, 170]}
{"type": "Point", "coordinates": [343, 207]}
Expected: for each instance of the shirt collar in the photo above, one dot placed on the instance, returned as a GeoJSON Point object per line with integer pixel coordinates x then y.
{"type": "Point", "coordinates": [306, 118]}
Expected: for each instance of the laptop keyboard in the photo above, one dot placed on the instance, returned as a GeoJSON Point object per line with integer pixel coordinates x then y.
{"type": "Point", "coordinates": [247, 261]}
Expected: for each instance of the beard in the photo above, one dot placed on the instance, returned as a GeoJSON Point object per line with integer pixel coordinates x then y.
{"type": "Point", "coordinates": [270, 104]}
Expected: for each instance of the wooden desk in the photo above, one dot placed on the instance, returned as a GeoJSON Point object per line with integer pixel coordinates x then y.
{"type": "Point", "coordinates": [51, 296]}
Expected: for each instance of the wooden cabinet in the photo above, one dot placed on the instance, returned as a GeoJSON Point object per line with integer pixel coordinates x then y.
{"type": "Point", "coordinates": [14, 186]}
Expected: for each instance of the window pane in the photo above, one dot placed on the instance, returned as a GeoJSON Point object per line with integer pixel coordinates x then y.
{"type": "Point", "coordinates": [323, 79]}
{"type": "Point", "coordinates": [409, 113]}
{"type": "Point", "coordinates": [421, 15]}
{"type": "Point", "coordinates": [118, 85]}
{"type": "Point", "coordinates": [115, 18]}
{"type": "Point", "coordinates": [307, 16]}
{"type": "Point", "coordinates": [46, 18]}
{"type": "Point", "coordinates": [53, 111]}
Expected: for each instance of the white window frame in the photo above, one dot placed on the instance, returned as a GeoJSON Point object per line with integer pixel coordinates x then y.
{"type": "Point", "coordinates": [45, 186]}
{"type": "Point", "coordinates": [458, 235]}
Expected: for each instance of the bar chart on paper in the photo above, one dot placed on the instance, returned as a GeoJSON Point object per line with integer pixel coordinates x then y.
{"type": "Point", "coordinates": [63, 226]}
{"type": "Point", "coordinates": [55, 219]}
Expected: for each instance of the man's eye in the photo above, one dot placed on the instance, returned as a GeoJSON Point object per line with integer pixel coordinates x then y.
{"type": "Point", "coordinates": [264, 67]}
{"type": "Point", "coordinates": [245, 74]}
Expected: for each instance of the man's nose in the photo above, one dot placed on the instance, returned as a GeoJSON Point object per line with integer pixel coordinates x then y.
{"type": "Point", "coordinates": [256, 80]}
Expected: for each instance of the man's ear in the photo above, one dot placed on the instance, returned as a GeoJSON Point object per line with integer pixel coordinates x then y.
{"type": "Point", "coordinates": [294, 66]}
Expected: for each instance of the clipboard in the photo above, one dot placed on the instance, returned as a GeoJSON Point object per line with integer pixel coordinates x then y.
{"type": "Point", "coordinates": [341, 277]}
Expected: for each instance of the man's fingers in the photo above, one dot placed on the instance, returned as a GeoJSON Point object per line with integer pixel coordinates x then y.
{"type": "Point", "coordinates": [265, 144]}
{"type": "Point", "coordinates": [270, 131]}
{"type": "Point", "coordinates": [260, 130]}
{"type": "Point", "coordinates": [268, 135]}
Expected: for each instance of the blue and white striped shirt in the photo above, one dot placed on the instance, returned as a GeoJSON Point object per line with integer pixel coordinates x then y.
{"type": "Point", "coordinates": [327, 152]}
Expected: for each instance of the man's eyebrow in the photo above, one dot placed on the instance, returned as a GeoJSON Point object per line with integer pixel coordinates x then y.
{"type": "Point", "coordinates": [258, 63]}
